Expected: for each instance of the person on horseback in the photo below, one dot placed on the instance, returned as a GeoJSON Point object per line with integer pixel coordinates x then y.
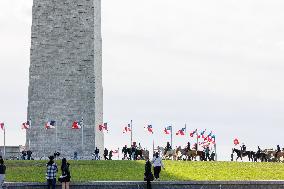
{"type": "Point", "coordinates": [188, 147]}
{"type": "Point", "coordinates": [258, 150]}
{"type": "Point", "coordinates": [278, 150]}
{"type": "Point", "coordinates": [139, 147]}
{"type": "Point", "coordinates": [168, 147]}
{"type": "Point", "coordinates": [243, 149]}
{"type": "Point", "coordinates": [195, 146]}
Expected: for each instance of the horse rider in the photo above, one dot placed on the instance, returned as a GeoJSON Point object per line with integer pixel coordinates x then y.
{"type": "Point", "coordinates": [278, 150]}
{"type": "Point", "coordinates": [168, 147]}
{"type": "Point", "coordinates": [188, 147]}
{"type": "Point", "coordinates": [195, 146]}
{"type": "Point", "coordinates": [258, 150]}
{"type": "Point", "coordinates": [139, 147]}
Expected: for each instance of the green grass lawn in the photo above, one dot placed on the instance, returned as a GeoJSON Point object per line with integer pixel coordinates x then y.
{"type": "Point", "coordinates": [81, 171]}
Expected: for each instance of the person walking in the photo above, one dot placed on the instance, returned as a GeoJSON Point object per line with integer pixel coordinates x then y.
{"type": "Point", "coordinates": [207, 153]}
{"type": "Point", "coordinates": [157, 163]}
{"type": "Point", "coordinates": [97, 151]}
{"type": "Point", "coordinates": [148, 175]}
{"type": "Point", "coordinates": [29, 154]}
{"type": "Point", "coordinates": [65, 178]}
{"type": "Point", "coordinates": [51, 170]}
{"type": "Point", "coordinates": [2, 172]}
{"type": "Point", "coordinates": [110, 155]}
{"type": "Point", "coordinates": [105, 154]}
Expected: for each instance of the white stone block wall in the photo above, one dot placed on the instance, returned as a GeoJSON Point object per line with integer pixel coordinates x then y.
{"type": "Point", "coordinates": [65, 76]}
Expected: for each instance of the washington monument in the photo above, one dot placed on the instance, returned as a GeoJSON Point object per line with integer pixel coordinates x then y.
{"type": "Point", "coordinates": [65, 81]}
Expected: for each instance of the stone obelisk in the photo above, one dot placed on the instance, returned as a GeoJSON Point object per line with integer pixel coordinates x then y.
{"type": "Point", "coordinates": [65, 81]}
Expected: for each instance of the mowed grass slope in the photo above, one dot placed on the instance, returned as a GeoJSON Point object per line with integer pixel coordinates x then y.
{"type": "Point", "coordinates": [81, 171]}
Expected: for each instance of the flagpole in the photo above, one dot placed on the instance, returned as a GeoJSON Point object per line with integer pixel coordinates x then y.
{"type": "Point", "coordinates": [4, 141]}
{"type": "Point", "coordinates": [118, 154]}
{"type": "Point", "coordinates": [55, 136]}
{"type": "Point", "coordinates": [131, 134]}
{"type": "Point", "coordinates": [215, 148]}
{"type": "Point", "coordinates": [172, 136]}
{"type": "Point", "coordinates": [82, 136]}
{"type": "Point", "coordinates": [196, 140]}
{"type": "Point", "coordinates": [153, 147]}
{"type": "Point", "coordinates": [28, 131]}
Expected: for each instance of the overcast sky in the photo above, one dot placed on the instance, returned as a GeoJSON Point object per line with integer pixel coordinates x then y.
{"type": "Point", "coordinates": [210, 64]}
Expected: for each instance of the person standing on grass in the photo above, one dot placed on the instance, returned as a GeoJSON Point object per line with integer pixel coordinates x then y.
{"type": "Point", "coordinates": [157, 163]}
{"type": "Point", "coordinates": [65, 174]}
{"type": "Point", "coordinates": [105, 154]}
{"type": "Point", "coordinates": [2, 172]}
{"type": "Point", "coordinates": [97, 151]}
{"type": "Point", "coordinates": [51, 170]}
{"type": "Point", "coordinates": [110, 155]}
{"type": "Point", "coordinates": [207, 153]}
{"type": "Point", "coordinates": [148, 175]}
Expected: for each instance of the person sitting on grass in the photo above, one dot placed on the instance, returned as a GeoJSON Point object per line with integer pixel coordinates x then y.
{"type": "Point", "coordinates": [51, 170]}
{"type": "Point", "coordinates": [2, 172]}
{"type": "Point", "coordinates": [157, 163]}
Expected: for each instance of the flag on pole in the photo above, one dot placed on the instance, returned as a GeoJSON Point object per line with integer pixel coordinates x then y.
{"type": "Point", "coordinates": [127, 129]}
{"type": "Point", "coordinates": [193, 133]}
{"type": "Point", "coordinates": [208, 137]}
{"type": "Point", "coordinates": [149, 128]}
{"type": "Point", "coordinates": [202, 134]}
{"type": "Point", "coordinates": [167, 130]}
{"type": "Point", "coordinates": [115, 151]}
{"type": "Point", "coordinates": [26, 125]}
{"type": "Point", "coordinates": [2, 126]}
{"type": "Point", "coordinates": [76, 125]}
{"type": "Point", "coordinates": [103, 127]}
{"type": "Point", "coordinates": [236, 142]}
{"type": "Point", "coordinates": [181, 131]}
{"type": "Point", "coordinates": [50, 125]}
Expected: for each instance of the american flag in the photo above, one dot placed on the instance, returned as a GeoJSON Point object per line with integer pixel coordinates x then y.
{"type": "Point", "coordinates": [193, 132]}
{"type": "Point", "coordinates": [181, 131]}
{"type": "Point", "coordinates": [149, 128]}
{"type": "Point", "coordinates": [127, 129]}
{"type": "Point", "coordinates": [76, 125]}
{"type": "Point", "coordinates": [50, 125]}
{"type": "Point", "coordinates": [167, 130]}
{"type": "Point", "coordinates": [202, 134]}
{"type": "Point", "coordinates": [26, 125]}
{"type": "Point", "coordinates": [2, 126]}
{"type": "Point", "coordinates": [103, 127]}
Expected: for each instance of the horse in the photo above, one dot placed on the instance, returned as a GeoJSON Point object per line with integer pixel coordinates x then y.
{"type": "Point", "coordinates": [261, 156]}
{"type": "Point", "coordinates": [277, 155]}
{"type": "Point", "coordinates": [241, 154]}
{"type": "Point", "coordinates": [182, 152]}
{"type": "Point", "coordinates": [145, 154]}
{"type": "Point", "coordinates": [168, 154]}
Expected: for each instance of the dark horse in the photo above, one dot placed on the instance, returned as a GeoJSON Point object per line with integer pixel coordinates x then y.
{"type": "Point", "coordinates": [261, 156]}
{"type": "Point", "coordinates": [241, 154]}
